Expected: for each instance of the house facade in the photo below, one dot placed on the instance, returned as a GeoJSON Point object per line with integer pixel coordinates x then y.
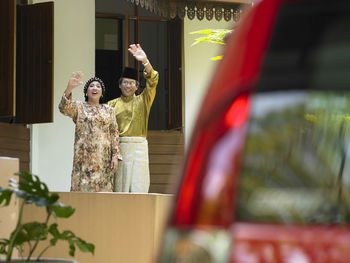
{"type": "Point", "coordinates": [51, 144]}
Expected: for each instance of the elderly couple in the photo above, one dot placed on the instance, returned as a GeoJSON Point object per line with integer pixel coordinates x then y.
{"type": "Point", "coordinates": [103, 161]}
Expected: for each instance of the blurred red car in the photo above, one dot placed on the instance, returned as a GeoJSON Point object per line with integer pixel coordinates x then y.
{"type": "Point", "coordinates": [267, 172]}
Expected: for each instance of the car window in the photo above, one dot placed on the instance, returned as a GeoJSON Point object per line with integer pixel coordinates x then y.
{"type": "Point", "coordinates": [296, 162]}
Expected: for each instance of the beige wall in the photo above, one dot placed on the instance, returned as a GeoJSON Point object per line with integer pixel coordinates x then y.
{"type": "Point", "coordinates": [8, 214]}
{"type": "Point", "coordinates": [198, 67]}
{"type": "Point", "coordinates": [74, 49]}
{"type": "Point", "coordinates": [123, 227]}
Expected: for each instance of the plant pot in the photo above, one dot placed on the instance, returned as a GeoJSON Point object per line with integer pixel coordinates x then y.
{"type": "Point", "coordinates": [42, 260]}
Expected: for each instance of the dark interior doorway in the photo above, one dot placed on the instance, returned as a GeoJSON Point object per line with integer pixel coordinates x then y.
{"type": "Point", "coordinates": [109, 54]}
{"type": "Point", "coordinates": [162, 41]}
{"type": "Point", "coordinates": [153, 36]}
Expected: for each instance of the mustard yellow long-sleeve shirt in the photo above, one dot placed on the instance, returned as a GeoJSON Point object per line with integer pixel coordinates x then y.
{"type": "Point", "coordinates": [132, 112]}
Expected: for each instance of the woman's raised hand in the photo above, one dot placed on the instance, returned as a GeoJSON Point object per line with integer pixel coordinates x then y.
{"type": "Point", "coordinates": [75, 79]}
{"type": "Point", "coordinates": [138, 53]}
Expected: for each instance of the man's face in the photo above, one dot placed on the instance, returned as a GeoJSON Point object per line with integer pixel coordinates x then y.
{"type": "Point", "coordinates": [128, 87]}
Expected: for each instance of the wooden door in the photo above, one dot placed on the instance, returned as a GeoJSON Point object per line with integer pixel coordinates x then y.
{"type": "Point", "coordinates": [7, 57]}
{"type": "Point", "coordinates": [34, 103]}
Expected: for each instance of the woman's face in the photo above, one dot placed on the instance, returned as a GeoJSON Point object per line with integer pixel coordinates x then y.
{"type": "Point", "coordinates": [94, 91]}
{"type": "Point", "coordinates": [128, 87]}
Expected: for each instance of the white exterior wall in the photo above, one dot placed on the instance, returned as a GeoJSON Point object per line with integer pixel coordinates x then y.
{"type": "Point", "coordinates": [74, 49]}
{"type": "Point", "coordinates": [198, 67]}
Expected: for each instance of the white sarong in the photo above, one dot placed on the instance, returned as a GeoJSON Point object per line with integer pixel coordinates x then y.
{"type": "Point", "coordinates": [133, 171]}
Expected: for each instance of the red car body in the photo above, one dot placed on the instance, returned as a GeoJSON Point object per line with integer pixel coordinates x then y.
{"type": "Point", "coordinates": [205, 225]}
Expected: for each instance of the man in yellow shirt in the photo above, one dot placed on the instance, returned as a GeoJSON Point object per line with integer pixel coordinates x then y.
{"type": "Point", "coordinates": [132, 114]}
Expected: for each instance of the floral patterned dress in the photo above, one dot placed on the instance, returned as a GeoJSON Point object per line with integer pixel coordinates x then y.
{"type": "Point", "coordinates": [96, 143]}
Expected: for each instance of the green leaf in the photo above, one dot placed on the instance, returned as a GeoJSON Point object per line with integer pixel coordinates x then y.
{"type": "Point", "coordinates": [71, 250]}
{"type": "Point", "coordinates": [31, 231]}
{"type": "Point", "coordinates": [63, 211]}
{"type": "Point", "coordinates": [21, 238]}
{"type": "Point", "coordinates": [5, 196]}
{"type": "Point", "coordinates": [3, 245]}
{"type": "Point", "coordinates": [53, 241]}
{"type": "Point", "coordinates": [72, 239]}
{"type": "Point", "coordinates": [84, 246]}
{"type": "Point", "coordinates": [53, 198]}
{"type": "Point", "coordinates": [67, 235]}
{"type": "Point", "coordinates": [32, 185]}
{"type": "Point", "coordinates": [36, 230]}
{"type": "Point", "coordinates": [53, 230]}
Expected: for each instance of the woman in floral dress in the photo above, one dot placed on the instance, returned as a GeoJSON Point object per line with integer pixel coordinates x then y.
{"type": "Point", "coordinates": [96, 145]}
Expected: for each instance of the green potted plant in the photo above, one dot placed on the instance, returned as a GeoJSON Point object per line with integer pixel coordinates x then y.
{"type": "Point", "coordinates": [31, 190]}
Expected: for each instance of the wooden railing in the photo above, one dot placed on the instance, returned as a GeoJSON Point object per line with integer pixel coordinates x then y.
{"type": "Point", "coordinates": [166, 150]}
{"type": "Point", "coordinates": [15, 142]}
